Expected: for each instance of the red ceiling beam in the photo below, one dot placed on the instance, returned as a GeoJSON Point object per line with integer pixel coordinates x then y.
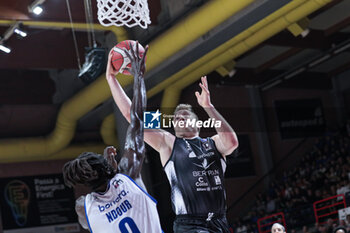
{"type": "Point", "coordinates": [277, 59]}
{"type": "Point", "coordinates": [325, 8]}
{"type": "Point", "coordinates": [339, 69]}
{"type": "Point", "coordinates": [338, 27]}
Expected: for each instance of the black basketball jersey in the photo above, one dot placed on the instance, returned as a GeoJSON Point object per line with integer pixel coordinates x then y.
{"type": "Point", "coordinates": [195, 171]}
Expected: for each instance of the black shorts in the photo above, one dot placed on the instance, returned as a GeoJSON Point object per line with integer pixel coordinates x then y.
{"type": "Point", "coordinates": [200, 224]}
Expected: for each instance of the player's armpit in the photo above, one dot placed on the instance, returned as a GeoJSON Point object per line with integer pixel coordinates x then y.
{"type": "Point", "coordinates": [160, 140]}
{"type": "Point", "coordinates": [80, 210]}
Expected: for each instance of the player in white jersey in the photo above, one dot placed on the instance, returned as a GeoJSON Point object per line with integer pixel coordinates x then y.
{"type": "Point", "coordinates": [124, 207]}
{"type": "Point", "coordinates": [117, 203]}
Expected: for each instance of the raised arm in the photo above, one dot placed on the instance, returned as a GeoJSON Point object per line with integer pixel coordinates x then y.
{"type": "Point", "coordinates": [120, 98]}
{"type": "Point", "coordinates": [226, 139]}
{"type": "Point", "coordinates": [158, 139]}
{"type": "Point", "coordinates": [134, 149]}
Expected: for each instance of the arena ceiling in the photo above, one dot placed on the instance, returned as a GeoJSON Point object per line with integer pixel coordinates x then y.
{"type": "Point", "coordinates": [39, 74]}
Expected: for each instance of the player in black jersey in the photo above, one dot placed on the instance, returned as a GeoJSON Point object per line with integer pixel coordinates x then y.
{"type": "Point", "coordinates": [194, 166]}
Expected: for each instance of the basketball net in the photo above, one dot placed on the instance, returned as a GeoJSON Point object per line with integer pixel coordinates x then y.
{"type": "Point", "coordinates": [123, 12]}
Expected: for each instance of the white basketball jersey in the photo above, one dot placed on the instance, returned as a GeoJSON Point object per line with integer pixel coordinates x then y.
{"type": "Point", "coordinates": [124, 207]}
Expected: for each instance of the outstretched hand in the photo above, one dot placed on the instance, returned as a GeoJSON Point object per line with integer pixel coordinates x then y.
{"type": "Point", "coordinates": [109, 154]}
{"type": "Point", "coordinates": [111, 72]}
{"type": "Point", "coordinates": [204, 97]}
{"type": "Point", "coordinates": [138, 66]}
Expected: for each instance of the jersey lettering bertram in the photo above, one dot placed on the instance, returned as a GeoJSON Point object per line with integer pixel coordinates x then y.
{"type": "Point", "coordinates": [196, 174]}
{"type": "Point", "coordinates": [124, 207]}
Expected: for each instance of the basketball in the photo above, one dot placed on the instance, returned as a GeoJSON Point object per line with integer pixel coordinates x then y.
{"type": "Point", "coordinates": [120, 60]}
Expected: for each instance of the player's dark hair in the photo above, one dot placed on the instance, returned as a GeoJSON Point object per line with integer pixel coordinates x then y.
{"type": "Point", "coordinates": [89, 169]}
{"type": "Point", "coordinates": [187, 107]}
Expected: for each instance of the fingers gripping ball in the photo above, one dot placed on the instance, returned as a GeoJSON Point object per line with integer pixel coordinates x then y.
{"type": "Point", "coordinates": [120, 60]}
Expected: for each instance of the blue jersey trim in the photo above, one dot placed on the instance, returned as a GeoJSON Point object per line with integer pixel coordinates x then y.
{"type": "Point", "coordinates": [152, 198]}
{"type": "Point", "coordinates": [87, 219]}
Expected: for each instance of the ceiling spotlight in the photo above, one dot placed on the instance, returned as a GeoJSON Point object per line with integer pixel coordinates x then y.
{"type": "Point", "coordinates": [15, 28]}
{"type": "Point", "coordinates": [38, 10]}
{"type": "Point", "coordinates": [305, 33]}
{"type": "Point", "coordinates": [20, 32]}
{"type": "Point", "coordinates": [36, 7]}
{"type": "Point", "coordinates": [5, 48]}
{"type": "Point", "coordinates": [232, 72]}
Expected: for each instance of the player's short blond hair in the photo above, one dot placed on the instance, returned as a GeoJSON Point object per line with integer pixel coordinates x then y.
{"type": "Point", "coordinates": [278, 225]}
{"type": "Point", "coordinates": [187, 107]}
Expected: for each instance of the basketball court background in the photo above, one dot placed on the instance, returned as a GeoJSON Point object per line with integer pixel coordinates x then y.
{"type": "Point", "coordinates": [252, 52]}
